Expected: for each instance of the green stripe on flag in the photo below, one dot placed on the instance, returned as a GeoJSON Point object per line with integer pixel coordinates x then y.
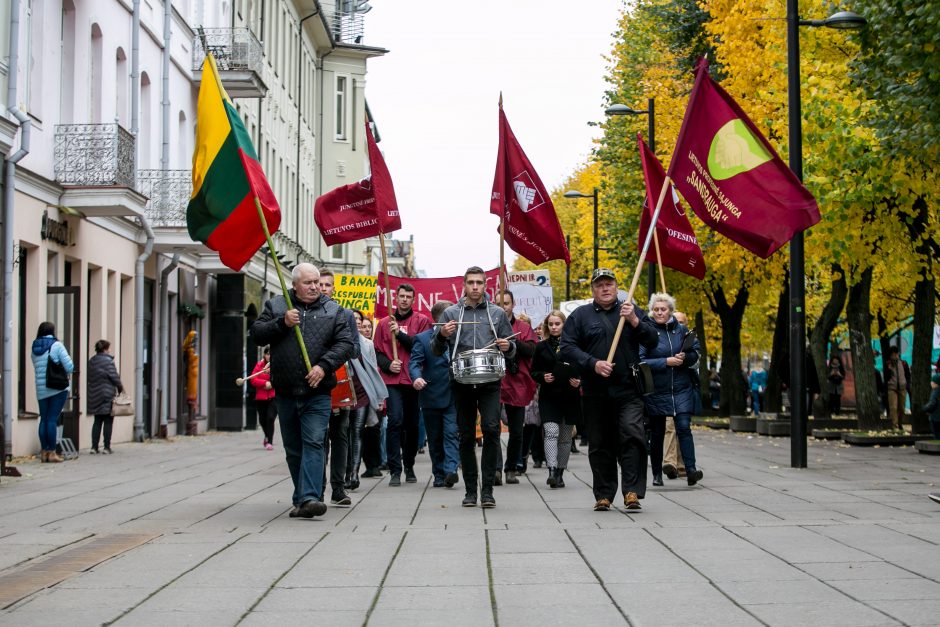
{"type": "Point", "coordinates": [224, 187]}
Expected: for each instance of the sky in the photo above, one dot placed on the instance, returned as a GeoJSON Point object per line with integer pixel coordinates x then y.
{"type": "Point", "coordinates": [435, 99]}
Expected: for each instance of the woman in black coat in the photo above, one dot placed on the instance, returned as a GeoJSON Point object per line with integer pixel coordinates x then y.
{"type": "Point", "coordinates": [559, 398]}
{"type": "Point", "coordinates": [674, 387]}
{"type": "Point", "coordinates": [103, 384]}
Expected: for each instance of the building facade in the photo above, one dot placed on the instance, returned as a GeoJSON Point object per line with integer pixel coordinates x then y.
{"type": "Point", "coordinates": [98, 134]}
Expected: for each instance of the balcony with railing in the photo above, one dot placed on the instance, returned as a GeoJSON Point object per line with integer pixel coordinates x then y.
{"type": "Point", "coordinates": [346, 19]}
{"type": "Point", "coordinates": [169, 192]}
{"type": "Point", "coordinates": [239, 57]}
{"type": "Point", "coordinates": [94, 163]}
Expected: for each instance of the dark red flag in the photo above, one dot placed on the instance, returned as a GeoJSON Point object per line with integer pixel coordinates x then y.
{"type": "Point", "coordinates": [732, 177]}
{"type": "Point", "coordinates": [362, 209]}
{"type": "Point", "coordinates": [532, 228]}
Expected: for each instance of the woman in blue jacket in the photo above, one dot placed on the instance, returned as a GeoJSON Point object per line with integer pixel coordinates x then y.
{"type": "Point", "coordinates": [673, 387]}
{"type": "Point", "coordinates": [51, 400]}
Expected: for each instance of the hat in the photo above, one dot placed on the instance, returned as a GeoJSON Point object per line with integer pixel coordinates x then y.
{"type": "Point", "coordinates": [935, 378]}
{"type": "Point", "coordinates": [603, 273]}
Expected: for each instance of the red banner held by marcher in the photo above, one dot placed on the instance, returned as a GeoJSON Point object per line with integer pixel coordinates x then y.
{"type": "Point", "coordinates": [532, 227]}
{"type": "Point", "coordinates": [361, 209]}
{"type": "Point", "coordinates": [427, 291]}
{"type": "Point", "coordinates": [732, 177]}
{"type": "Point", "coordinates": [678, 247]}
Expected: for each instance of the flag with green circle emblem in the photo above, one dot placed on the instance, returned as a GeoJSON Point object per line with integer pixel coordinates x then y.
{"type": "Point", "coordinates": [732, 177]}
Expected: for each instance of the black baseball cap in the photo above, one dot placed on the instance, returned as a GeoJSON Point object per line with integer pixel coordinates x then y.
{"type": "Point", "coordinates": [603, 273]}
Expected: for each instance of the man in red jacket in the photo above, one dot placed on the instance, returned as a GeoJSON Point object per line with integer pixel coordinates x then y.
{"type": "Point", "coordinates": [518, 387]}
{"type": "Point", "coordinates": [401, 437]}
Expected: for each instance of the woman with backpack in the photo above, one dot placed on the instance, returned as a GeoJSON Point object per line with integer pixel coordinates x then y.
{"type": "Point", "coordinates": [53, 367]}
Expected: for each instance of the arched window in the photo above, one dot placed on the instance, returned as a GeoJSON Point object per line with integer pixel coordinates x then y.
{"type": "Point", "coordinates": [146, 128]}
{"type": "Point", "coordinates": [97, 79]}
{"type": "Point", "coordinates": [184, 136]}
{"type": "Point", "coordinates": [121, 76]}
{"type": "Point", "coordinates": [67, 96]}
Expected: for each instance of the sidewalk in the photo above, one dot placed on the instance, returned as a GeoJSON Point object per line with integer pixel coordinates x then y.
{"type": "Point", "coordinates": [195, 532]}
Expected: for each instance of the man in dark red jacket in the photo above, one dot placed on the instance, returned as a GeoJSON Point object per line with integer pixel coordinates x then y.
{"type": "Point", "coordinates": [401, 437]}
{"type": "Point", "coordinates": [518, 387]}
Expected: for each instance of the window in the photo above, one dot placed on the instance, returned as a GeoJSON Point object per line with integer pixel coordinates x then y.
{"type": "Point", "coordinates": [340, 112]}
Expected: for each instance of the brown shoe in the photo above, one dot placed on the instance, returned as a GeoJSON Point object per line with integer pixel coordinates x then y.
{"type": "Point", "coordinates": [602, 505]}
{"type": "Point", "coordinates": [43, 457]}
{"type": "Point", "coordinates": [630, 501]}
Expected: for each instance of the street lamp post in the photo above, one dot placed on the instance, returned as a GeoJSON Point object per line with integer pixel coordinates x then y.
{"type": "Point", "coordinates": [576, 194]}
{"type": "Point", "coordinates": [798, 395]}
{"type": "Point", "coordinates": [568, 270]}
{"type": "Point", "coordinates": [650, 113]}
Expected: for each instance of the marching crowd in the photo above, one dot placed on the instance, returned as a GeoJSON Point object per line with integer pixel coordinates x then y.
{"type": "Point", "coordinates": [364, 395]}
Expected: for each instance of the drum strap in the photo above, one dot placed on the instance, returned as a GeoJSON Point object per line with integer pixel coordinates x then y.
{"type": "Point", "coordinates": [460, 326]}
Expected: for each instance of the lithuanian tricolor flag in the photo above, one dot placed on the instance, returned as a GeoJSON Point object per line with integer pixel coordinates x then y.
{"type": "Point", "coordinates": [226, 179]}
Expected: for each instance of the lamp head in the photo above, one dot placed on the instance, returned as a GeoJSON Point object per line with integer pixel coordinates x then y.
{"type": "Point", "coordinates": [845, 20]}
{"type": "Point", "coordinates": [622, 109]}
{"type": "Point", "coordinates": [576, 194]}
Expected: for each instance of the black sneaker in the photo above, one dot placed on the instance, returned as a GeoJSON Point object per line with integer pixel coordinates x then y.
{"type": "Point", "coordinates": [498, 478]}
{"type": "Point", "coordinates": [410, 475]}
{"type": "Point", "coordinates": [340, 498]}
{"type": "Point", "coordinates": [107, 450]}
{"type": "Point", "coordinates": [486, 500]}
{"type": "Point", "coordinates": [438, 483]}
{"type": "Point", "coordinates": [311, 508]}
{"type": "Point", "coordinates": [451, 479]}
{"type": "Point", "coordinates": [395, 481]}
{"type": "Point", "coordinates": [694, 476]}
{"type": "Point", "coordinates": [93, 451]}
{"type": "Point", "coordinates": [294, 511]}
{"type": "Point", "coordinates": [470, 499]}
{"type": "Point", "coordinates": [657, 478]}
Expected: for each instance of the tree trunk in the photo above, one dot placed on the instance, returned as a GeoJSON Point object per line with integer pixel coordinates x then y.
{"type": "Point", "coordinates": [704, 391]}
{"type": "Point", "coordinates": [733, 390]}
{"type": "Point", "coordinates": [858, 313]}
{"type": "Point", "coordinates": [924, 295]}
{"type": "Point", "coordinates": [821, 335]}
{"type": "Point", "coordinates": [779, 353]}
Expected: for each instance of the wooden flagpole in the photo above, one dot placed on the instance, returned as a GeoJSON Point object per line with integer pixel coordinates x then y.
{"type": "Point", "coordinates": [388, 292]}
{"type": "Point", "coordinates": [502, 237]}
{"type": "Point", "coordinates": [659, 263]}
{"type": "Point", "coordinates": [639, 265]}
{"type": "Point", "coordinates": [277, 269]}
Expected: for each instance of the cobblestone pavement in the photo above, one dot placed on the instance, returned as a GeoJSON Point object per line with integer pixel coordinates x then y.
{"type": "Point", "coordinates": [196, 532]}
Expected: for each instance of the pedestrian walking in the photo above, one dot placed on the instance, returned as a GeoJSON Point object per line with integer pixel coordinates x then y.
{"type": "Point", "coordinates": [612, 392]}
{"type": "Point", "coordinates": [671, 360]}
{"type": "Point", "coordinates": [399, 328]}
{"type": "Point", "coordinates": [103, 384]}
{"type": "Point", "coordinates": [265, 404]}
{"type": "Point", "coordinates": [303, 396]}
{"type": "Point", "coordinates": [53, 368]}
{"type": "Point", "coordinates": [898, 384]}
{"type": "Point", "coordinates": [559, 398]}
{"type": "Point", "coordinates": [835, 376]}
{"type": "Point", "coordinates": [517, 388]}
{"type": "Point", "coordinates": [757, 382]}
{"type": "Point", "coordinates": [371, 395]}
{"type": "Point", "coordinates": [932, 408]}
{"type": "Point", "coordinates": [373, 433]}
{"type": "Point", "coordinates": [476, 332]}
{"type": "Point", "coordinates": [430, 375]}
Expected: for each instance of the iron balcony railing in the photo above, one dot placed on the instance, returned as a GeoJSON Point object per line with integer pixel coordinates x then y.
{"type": "Point", "coordinates": [233, 48]}
{"type": "Point", "coordinates": [346, 20]}
{"type": "Point", "coordinates": [169, 192]}
{"type": "Point", "coordinates": [94, 155]}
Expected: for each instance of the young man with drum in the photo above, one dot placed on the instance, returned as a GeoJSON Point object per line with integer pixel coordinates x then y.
{"type": "Point", "coordinates": [401, 437]}
{"type": "Point", "coordinates": [478, 335]}
{"type": "Point", "coordinates": [613, 405]}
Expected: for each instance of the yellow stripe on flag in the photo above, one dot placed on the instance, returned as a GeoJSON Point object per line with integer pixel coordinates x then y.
{"type": "Point", "coordinates": [212, 125]}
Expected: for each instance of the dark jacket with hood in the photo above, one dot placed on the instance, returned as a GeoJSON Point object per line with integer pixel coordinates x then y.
{"type": "Point", "coordinates": [327, 337]}
{"type": "Point", "coordinates": [103, 383]}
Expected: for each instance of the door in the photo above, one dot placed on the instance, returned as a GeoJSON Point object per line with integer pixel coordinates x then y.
{"type": "Point", "coordinates": [62, 309]}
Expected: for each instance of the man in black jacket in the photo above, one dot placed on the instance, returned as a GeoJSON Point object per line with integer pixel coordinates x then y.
{"type": "Point", "coordinates": [303, 397]}
{"type": "Point", "coordinates": [613, 405]}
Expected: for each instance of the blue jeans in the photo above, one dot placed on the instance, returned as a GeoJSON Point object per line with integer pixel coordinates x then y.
{"type": "Point", "coordinates": [49, 410]}
{"type": "Point", "coordinates": [441, 425]}
{"type": "Point", "coordinates": [755, 401]}
{"type": "Point", "coordinates": [683, 424]}
{"type": "Point", "coordinates": [304, 422]}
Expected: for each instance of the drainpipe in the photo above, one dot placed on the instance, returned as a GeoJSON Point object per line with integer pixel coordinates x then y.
{"type": "Point", "coordinates": [7, 252]}
{"type": "Point", "coordinates": [165, 105]}
{"type": "Point", "coordinates": [139, 328]}
{"type": "Point", "coordinates": [300, 101]}
{"type": "Point", "coordinates": [322, 103]}
{"type": "Point", "coordinates": [165, 342]}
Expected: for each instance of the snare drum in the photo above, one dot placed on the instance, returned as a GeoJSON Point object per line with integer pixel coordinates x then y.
{"type": "Point", "coordinates": [479, 366]}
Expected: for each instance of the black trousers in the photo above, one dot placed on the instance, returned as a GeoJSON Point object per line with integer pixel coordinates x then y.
{"type": "Point", "coordinates": [267, 414]}
{"type": "Point", "coordinates": [401, 436]}
{"type": "Point", "coordinates": [485, 399]}
{"type": "Point", "coordinates": [515, 417]}
{"type": "Point", "coordinates": [102, 419]}
{"type": "Point", "coordinates": [372, 447]}
{"type": "Point", "coordinates": [616, 432]}
{"type": "Point", "coordinates": [532, 443]}
{"type": "Point", "coordinates": [336, 445]}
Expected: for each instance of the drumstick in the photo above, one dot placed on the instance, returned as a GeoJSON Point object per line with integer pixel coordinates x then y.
{"type": "Point", "coordinates": [502, 338]}
{"type": "Point", "coordinates": [241, 380]}
{"type": "Point", "coordinates": [440, 324]}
